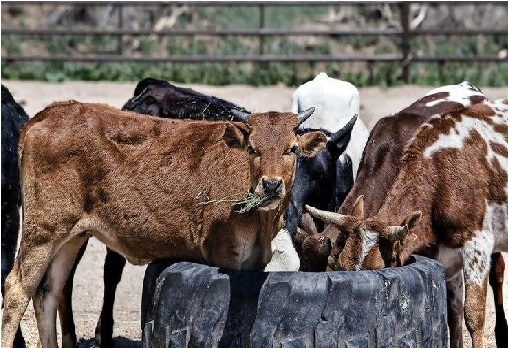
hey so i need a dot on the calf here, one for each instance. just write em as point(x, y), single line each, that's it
point(381, 164)
point(148, 188)
point(336, 101)
point(313, 246)
point(454, 153)
point(13, 120)
point(157, 98)
point(322, 181)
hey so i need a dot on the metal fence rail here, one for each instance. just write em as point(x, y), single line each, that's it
point(406, 56)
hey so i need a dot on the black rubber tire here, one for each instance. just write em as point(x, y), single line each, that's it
point(193, 305)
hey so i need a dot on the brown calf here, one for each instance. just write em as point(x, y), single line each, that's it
point(149, 188)
point(454, 182)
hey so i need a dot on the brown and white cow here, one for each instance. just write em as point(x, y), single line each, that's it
point(378, 169)
point(149, 188)
point(449, 202)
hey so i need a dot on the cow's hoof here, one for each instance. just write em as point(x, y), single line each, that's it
point(192, 305)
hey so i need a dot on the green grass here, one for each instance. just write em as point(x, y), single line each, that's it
point(258, 74)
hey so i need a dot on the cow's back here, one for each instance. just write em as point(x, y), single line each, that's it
point(380, 162)
point(459, 153)
point(336, 102)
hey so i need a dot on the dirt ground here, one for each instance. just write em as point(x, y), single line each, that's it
point(88, 286)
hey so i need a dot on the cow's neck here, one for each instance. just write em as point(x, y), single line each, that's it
point(270, 219)
point(412, 191)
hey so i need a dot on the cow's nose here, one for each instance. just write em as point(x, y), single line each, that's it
point(271, 185)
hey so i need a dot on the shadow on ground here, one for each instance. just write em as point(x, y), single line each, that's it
point(120, 342)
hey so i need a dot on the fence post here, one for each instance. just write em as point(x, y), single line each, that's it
point(261, 27)
point(370, 67)
point(120, 26)
point(441, 66)
point(405, 38)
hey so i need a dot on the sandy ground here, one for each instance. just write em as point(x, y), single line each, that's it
point(88, 286)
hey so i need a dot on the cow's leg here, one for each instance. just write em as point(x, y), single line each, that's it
point(20, 285)
point(69, 338)
point(496, 279)
point(10, 230)
point(451, 259)
point(455, 305)
point(476, 254)
point(48, 293)
point(113, 268)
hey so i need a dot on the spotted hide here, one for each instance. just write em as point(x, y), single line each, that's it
point(449, 202)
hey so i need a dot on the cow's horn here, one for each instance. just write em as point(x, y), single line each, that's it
point(326, 216)
point(341, 133)
point(302, 116)
point(242, 116)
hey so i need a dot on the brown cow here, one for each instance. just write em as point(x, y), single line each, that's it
point(162, 99)
point(149, 188)
point(378, 169)
point(380, 165)
point(454, 182)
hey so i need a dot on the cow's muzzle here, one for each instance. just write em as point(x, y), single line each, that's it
point(273, 189)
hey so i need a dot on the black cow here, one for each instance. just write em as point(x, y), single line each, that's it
point(160, 98)
point(13, 120)
point(324, 180)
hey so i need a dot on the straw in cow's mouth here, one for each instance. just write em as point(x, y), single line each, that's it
point(250, 202)
point(253, 201)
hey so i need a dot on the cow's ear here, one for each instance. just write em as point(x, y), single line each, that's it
point(311, 143)
point(412, 219)
point(300, 236)
point(235, 134)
